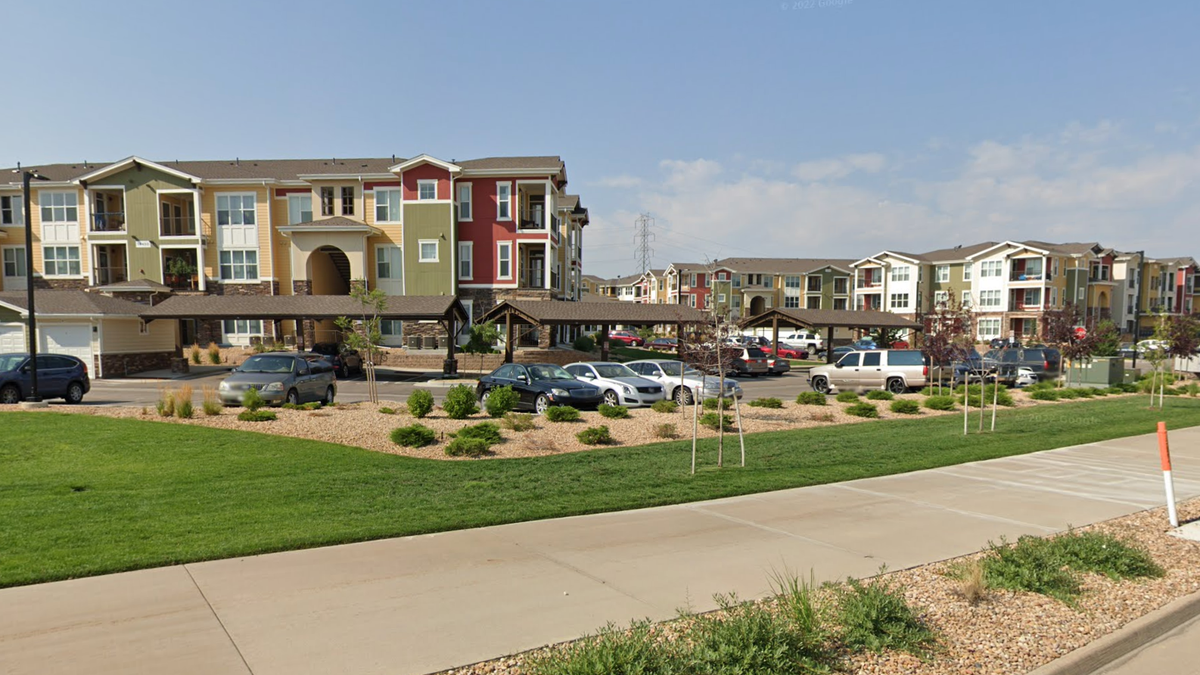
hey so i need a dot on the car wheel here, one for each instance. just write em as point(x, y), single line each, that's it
point(896, 385)
point(483, 398)
point(611, 398)
point(821, 385)
point(683, 396)
point(293, 397)
point(329, 394)
point(74, 393)
point(10, 395)
point(541, 403)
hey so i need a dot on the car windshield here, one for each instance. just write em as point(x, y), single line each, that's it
point(267, 364)
point(614, 370)
point(671, 368)
point(549, 373)
point(11, 361)
point(325, 348)
point(755, 353)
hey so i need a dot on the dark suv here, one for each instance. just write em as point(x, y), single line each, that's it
point(1043, 361)
point(343, 358)
point(59, 376)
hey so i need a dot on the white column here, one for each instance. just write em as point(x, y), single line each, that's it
point(202, 278)
point(546, 265)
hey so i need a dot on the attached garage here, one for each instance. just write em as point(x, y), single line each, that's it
point(12, 338)
point(72, 339)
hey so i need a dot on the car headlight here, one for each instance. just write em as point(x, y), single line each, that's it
point(628, 390)
point(224, 386)
point(559, 392)
point(274, 386)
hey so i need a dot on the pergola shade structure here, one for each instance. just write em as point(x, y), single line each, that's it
point(603, 314)
point(816, 319)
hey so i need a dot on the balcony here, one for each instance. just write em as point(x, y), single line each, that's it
point(1026, 275)
point(177, 217)
point(111, 266)
point(108, 211)
point(110, 275)
point(868, 281)
point(108, 221)
point(532, 218)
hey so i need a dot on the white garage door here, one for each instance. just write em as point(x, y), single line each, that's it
point(72, 339)
point(12, 338)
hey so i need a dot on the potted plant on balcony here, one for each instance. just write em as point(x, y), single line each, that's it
point(180, 273)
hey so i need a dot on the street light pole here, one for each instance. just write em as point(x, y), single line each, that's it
point(26, 176)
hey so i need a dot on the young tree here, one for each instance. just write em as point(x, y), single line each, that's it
point(710, 355)
point(948, 336)
point(1182, 337)
point(363, 333)
point(1107, 340)
point(1059, 329)
point(482, 340)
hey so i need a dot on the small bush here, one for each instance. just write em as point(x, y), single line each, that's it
point(749, 638)
point(562, 413)
point(1085, 392)
point(1067, 393)
point(822, 417)
point(583, 343)
point(664, 406)
point(929, 391)
point(940, 403)
point(413, 436)
point(811, 398)
point(1044, 394)
point(613, 412)
point(211, 404)
point(1041, 384)
point(712, 403)
point(460, 402)
point(905, 407)
point(468, 447)
point(165, 404)
point(252, 400)
point(594, 436)
point(879, 395)
point(420, 403)
point(875, 616)
point(972, 581)
point(257, 415)
point(214, 354)
point(311, 405)
point(487, 432)
point(1031, 566)
point(863, 409)
point(768, 402)
point(999, 391)
point(517, 421)
point(847, 397)
point(612, 650)
point(197, 355)
point(665, 431)
point(384, 410)
point(501, 400)
point(712, 421)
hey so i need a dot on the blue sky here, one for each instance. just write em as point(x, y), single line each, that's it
point(800, 128)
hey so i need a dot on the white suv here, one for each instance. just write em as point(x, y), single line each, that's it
point(896, 370)
point(810, 341)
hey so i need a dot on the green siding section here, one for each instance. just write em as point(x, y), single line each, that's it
point(429, 221)
point(141, 216)
point(827, 288)
point(10, 316)
point(1076, 279)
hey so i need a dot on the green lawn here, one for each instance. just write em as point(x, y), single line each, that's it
point(84, 495)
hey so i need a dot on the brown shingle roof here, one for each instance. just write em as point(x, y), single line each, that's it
point(782, 265)
point(552, 162)
point(588, 313)
point(957, 253)
point(139, 285)
point(408, 307)
point(72, 303)
point(334, 222)
point(832, 318)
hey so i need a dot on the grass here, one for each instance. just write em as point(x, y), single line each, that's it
point(159, 494)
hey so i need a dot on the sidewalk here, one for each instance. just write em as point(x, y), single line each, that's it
point(426, 603)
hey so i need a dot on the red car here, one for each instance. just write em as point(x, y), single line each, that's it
point(787, 352)
point(626, 338)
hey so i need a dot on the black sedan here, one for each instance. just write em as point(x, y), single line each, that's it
point(539, 385)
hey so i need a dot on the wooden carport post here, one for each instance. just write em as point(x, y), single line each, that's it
point(775, 334)
point(508, 336)
point(679, 341)
point(300, 334)
point(277, 330)
point(603, 342)
point(450, 365)
point(829, 344)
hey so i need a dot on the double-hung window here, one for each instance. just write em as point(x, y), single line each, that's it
point(60, 233)
point(941, 298)
point(327, 201)
point(466, 264)
point(504, 260)
point(427, 250)
point(464, 204)
point(966, 299)
point(427, 190)
point(347, 200)
point(899, 301)
point(503, 201)
point(12, 210)
point(990, 299)
point(967, 267)
point(943, 273)
point(900, 273)
point(300, 209)
point(387, 205)
point(237, 237)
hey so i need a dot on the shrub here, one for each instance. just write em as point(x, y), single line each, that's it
point(940, 403)
point(614, 412)
point(875, 617)
point(1000, 392)
point(1084, 392)
point(183, 402)
point(584, 343)
point(750, 638)
point(252, 400)
point(211, 404)
point(1104, 554)
point(460, 402)
point(1044, 394)
point(972, 580)
point(664, 406)
point(487, 432)
point(667, 430)
point(612, 650)
point(879, 395)
point(594, 436)
point(197, 355)
point(929, 391)
point(420, 403)
point(413, 436)
point(387, 411)
point(257, 415)
point(165, 404)
point(712, 421)
point(501, 400)
point(1030, 566)
point(811, 398)
point(847, 397)
point(468, 447)
point(1041, 384)
point(712, 403)
point(517, 421)
point(562, 413)
point(768, 402)
point(906, 407)
point(214, 354)
point(311, 405)
point(1067, 393)
point(863, 409)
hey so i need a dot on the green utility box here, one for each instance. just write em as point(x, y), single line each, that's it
point(1100, 372)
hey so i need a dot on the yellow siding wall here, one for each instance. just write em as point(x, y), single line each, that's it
point(283, 246)
point(36, 215)
point(121, 336)
point(208, 221)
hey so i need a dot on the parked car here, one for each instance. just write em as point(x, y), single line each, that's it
point(618, 384)
point(750, 361)
point(663, 343)
point(896, 370)
point(281, 377)
point(59, 376)
point(1025, 377)
point(1147, 346)
point(786, 351)
point(778, 365)
point(627, 338)
point(668, 373)
point(838, 352)
point(1004, 343)
point(539, 386)
point(804, 340)
point(864, 343)
point(969, 369)
point(1042, 361)
point(344, 359)
point(1127, 350)
point(755, 341)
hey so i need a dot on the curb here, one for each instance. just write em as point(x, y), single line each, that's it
point(1125, 640)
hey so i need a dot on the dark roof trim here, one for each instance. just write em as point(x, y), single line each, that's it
point(560, 312)
point(830, 318)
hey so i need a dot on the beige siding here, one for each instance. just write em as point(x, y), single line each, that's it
point(208, 222)
point(36, 215)
point(121, 336)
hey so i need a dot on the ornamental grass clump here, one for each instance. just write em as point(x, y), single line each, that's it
point(197, 355)
point(183, 402)
point(211, 403)
point(517, 421)
point(667, 430)
point(214, 354)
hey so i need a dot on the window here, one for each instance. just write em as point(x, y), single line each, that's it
point(813, 285)
point(12, 209)
point(235, 209)
point(990, 268)
point(1054, 267)
point(427, 190)
point(387, 205)
point(1033, 297)
point(737, 301)
point(388, 262)
point(504, 260)
point(900, 273)
point(791, 302)
point(840, 303)
point(943, 273)
point(1054, 298)
point(721, 297)
point(989, 298)
point(737, 281)
point(691, 300)
point(841, 285)
point(464, 203)
point(60, 261)
point(941, 298)
point(347, 200)
point(707, 302)
point(1081, 293)
point(239, 265)
point(966, 299)
point(503, 201)
point(466, 253)
point(967, 271)
point(791, 282)
point(59, 207)
point(427, 251)
point(239, 331)
point(326, 201)
point(299, 209)
point(14, 262)
point(898, 301)
point(871, 358)
point(391, 328)
point(812, 302)
point(989, 328)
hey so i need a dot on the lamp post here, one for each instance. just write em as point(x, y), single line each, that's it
point(26, 176)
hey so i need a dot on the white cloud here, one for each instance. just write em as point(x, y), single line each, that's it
point(839, 167)
point(623, 181)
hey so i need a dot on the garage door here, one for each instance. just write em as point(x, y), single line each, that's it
point(72, 339)
point(12, 338)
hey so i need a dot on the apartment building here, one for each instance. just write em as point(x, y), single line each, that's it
point(1170, 287)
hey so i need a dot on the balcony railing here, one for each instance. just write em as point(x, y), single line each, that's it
point(178, 227)
point(868, 282)
point(533, 218)
point(110, 275)
point(1023, 275)
point(532, 277)
point(108, 221)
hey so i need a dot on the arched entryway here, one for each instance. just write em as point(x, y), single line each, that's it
point(329, 274)
point(758, 305)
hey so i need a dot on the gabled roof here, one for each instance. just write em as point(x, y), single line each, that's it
point(784, 265)
point(425, 159)
point(332, 224)
point(877, 258)
point(70, 303)
point(588, 313)
point(830, 318)
point(407, 307)
point(134, 160)
point(956, 254)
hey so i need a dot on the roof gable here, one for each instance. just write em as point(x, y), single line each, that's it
point(131, 161)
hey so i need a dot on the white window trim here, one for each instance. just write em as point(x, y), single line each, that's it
point(60, 244)
point(943, 273)
point(421, 252)
point(504, 246)
point(257, 266)
point(470, 202)
point(422, 182)
point(42, 194)
point(509, 201)
point(399, 206)
point(17, 201)
point(221, 244)
point(466, 253)
point(967, 269)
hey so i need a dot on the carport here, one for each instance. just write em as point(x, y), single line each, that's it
point(603, 314)
point(444, 309)
point(815, 319)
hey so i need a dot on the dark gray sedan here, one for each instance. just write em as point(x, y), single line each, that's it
point(280, 378)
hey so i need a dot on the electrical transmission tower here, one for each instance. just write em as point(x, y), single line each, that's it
point(642, 237)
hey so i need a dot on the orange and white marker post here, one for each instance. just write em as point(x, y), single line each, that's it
point(1164, 453)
